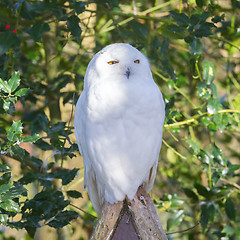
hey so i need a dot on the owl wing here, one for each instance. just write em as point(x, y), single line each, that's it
point(90, 179)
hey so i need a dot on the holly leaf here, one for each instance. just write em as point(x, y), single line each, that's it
point(3, 219)
point(4, 86)
point(22, 92)
point(37, 30)
point(73, 26)
point(31, 139)
point(221, 120)
point(214, 105)
point(230, 209)
point(8, 40)
point(181, 18)
point(208, 72)
point(175, 220)
point(236, 102)
point(15, 131)
point(196, 47)
point(10, 206)
point(14, 82)
point(74, 194)
point(62, 219)
point(4, 188)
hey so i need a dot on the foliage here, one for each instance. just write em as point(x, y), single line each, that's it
point(193, 47)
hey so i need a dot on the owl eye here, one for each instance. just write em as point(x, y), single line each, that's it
point(112, 62)
point(137, 61)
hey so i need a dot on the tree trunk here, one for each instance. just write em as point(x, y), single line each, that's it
point(129, 220)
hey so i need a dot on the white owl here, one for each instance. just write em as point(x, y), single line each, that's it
point(118, 125)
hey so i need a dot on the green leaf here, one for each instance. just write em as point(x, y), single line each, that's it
point(236, 102)
point(19, 151)
point(43, 145)
point(221, 120)
point(214, 105)
point(229, 230)
point(22, 92)
point(171, 34)
point(62, 219)
point(208, 72)
point(181, 18)
point(202, 190)
point(204, 216)
point(206, 121)
point(10, 206)
point(37, 30)
point(73, 26)
point(175, 220)
point(4, 168)
point(4, 188)
point(200, 3)
point(3, 219)
point(14, 82)
point(191, 194)
point(139, 29)
point(79, 6)
point(6, 105)
point(5, 178)
point(204, 30)
point(230, 209)
point(193, 145)
point(15, 131)
point(4, 86)
point(234, 167)
point(217, 19)
point(8, 40)
point(27, 10)
point(194, 20)
point(13, 192)
point(31, 139)
point(175, 28)
point(211, 212)
point(204, 17)
point(203, 90)
point(196, 47)
point(66, 175)
point(74, 194)
point(181, 81)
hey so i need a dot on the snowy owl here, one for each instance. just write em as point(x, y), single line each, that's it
point(118, 125)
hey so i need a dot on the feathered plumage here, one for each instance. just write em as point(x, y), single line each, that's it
point(118, 124)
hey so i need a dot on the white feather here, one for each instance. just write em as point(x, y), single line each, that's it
point(118, 125)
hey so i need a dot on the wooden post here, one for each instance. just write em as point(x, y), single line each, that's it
point(129, 220)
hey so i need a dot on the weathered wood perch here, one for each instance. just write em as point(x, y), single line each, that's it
point(129, 220)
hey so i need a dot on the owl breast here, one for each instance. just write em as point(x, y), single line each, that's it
point(124, 130)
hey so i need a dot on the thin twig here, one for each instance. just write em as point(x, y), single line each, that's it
point(230, 183)
point(185, 230)
point(142, 13)
point(82, 210)
point(195, 118)
point(226, 41)
point(177, 153)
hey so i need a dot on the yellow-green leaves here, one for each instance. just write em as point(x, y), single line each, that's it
point(208, 72)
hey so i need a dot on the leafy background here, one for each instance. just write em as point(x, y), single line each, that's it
point(193, 47)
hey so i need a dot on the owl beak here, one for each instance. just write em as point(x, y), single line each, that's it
point(127, 73)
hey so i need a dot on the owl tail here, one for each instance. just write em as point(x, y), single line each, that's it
point(94, 191)
point(149, 181)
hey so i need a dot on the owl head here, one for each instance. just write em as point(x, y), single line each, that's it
point(119, 62)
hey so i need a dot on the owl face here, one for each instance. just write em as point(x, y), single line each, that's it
point(121, 62)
